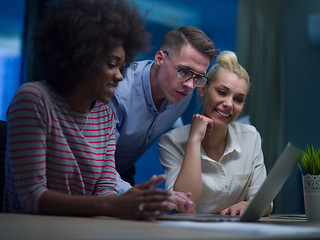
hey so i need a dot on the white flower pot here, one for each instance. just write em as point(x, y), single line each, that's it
point(311, 192)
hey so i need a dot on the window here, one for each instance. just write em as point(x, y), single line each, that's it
point(11, 42)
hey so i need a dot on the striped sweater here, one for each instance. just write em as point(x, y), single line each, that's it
point(53, 147)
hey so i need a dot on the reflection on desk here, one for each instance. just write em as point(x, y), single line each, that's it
point(292, 217)
point(24, 226)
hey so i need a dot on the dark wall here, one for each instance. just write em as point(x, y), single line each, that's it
point(302, 63)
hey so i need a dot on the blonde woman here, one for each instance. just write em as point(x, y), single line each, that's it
point(216, 159)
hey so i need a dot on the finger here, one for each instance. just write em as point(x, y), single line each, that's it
point(189, 194)
point(210, 127)
point(157, 195)
point(225, 211)
point(162, 207)
point(143, 186)
point(179, 196)
point(183, 199)
point(154, 181)
point(234, 211)
point(196, 115)
point(150, 211)
point(242, 209)
point(172, 206)
point(188, 205)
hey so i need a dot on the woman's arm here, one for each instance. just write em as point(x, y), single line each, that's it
point(189, 177)
point(28, 124)
point(141, 202)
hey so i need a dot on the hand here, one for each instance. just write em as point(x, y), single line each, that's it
point(201, 125)
point(142, 202)
point(178, 197)
point(236, 209)
point(182, 199)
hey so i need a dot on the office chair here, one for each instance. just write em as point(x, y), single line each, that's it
point(3, 141)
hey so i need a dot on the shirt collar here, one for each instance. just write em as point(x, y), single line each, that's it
point(232, 144)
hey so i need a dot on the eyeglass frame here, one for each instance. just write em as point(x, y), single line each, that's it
point(194, 74)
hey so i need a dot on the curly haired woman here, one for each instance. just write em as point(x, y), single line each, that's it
point(61, 133)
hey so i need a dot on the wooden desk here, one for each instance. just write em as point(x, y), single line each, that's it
point(24, 226)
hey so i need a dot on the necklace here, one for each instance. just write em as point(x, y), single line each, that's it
point(76, 122)
point(85, 123)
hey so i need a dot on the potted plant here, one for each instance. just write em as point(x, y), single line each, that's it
point(310, 169)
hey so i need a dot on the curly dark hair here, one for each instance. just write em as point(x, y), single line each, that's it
point(70, 43)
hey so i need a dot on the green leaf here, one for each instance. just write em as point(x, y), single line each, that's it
point(310, 161)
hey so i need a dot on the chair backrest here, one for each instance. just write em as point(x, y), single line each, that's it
point(3, 141)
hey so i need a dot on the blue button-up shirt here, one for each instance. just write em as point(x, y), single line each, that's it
point(138, 121)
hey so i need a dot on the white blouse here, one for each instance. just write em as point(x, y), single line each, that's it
point(236, 177)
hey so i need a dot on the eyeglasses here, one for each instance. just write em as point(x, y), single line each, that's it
point(185, 73)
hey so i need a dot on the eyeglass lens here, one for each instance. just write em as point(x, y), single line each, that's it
point(186, 73)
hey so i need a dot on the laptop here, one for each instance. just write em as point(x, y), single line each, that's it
point(258, 205)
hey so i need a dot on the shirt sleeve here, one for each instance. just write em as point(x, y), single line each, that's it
point(171, 157)
point(107, 182)
point(122, 186)
point(28, 123)
point(115, 108)
point(178, 123)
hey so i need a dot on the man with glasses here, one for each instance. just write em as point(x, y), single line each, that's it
point(185, 74)
point(154, 94)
